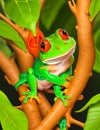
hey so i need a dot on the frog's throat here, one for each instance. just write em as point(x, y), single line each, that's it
point(58, 59)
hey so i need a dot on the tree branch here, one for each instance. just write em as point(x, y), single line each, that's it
point(83, 68)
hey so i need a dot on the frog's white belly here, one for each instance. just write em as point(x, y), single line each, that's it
point(57, 70)
point(60, 64)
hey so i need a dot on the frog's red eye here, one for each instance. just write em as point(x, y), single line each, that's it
point(44, 45)
point(63, 34)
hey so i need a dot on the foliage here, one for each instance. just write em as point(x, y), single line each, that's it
point(27, 20)
point(93, 116)
point(97, 45)
point(10, 117)
point(9, 33)
point(94, 8)
point(2, 10)
point(51, 11)
point(5, 48)
point(27, 11)
point(59, 16)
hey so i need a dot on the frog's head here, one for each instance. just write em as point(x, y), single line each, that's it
point(56, 47)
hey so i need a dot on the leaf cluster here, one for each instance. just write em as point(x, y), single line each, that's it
point(11, 118)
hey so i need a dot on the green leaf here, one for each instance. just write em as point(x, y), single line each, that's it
point(24, 12)
point(95, 99)
point(11, 118)
point(5, 48)
point(96, 25)
point(97, 43)
point(63, 18)
point(96, 66)
point(2, 10)
point(93, 117)
point(50, 11)
point(6, 31)
point(94, 8)
point(66, 20)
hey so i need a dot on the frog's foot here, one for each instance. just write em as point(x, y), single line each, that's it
point(60, 94)
point(69, 78)
point(62, 98)
point(65, 91)
point(63, 124)
point(66, 85)
point(65, 88)
point(30, 95)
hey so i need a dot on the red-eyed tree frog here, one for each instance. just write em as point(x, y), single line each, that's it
point(50, 68)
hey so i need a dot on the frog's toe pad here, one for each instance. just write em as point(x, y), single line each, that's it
point(29, 96)
point(38, 100)
point(55, 99)
point(21, 98)
point(65, 91)
point(63, 98)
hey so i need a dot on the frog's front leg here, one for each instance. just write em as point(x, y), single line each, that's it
point(31, 80)
point(22, 80)
point(59, 94)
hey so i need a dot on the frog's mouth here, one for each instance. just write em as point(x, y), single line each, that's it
point(58, 59)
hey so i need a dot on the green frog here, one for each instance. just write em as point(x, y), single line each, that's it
point(50, 68)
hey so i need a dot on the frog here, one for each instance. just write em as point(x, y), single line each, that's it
point(50, 67)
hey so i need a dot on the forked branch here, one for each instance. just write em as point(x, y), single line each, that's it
point(83, 68)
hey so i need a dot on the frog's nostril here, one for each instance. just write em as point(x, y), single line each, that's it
point(65, 42)
point(58, 47)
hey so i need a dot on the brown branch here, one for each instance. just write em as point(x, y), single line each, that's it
point(71, 120)
point(9, 68)
point(76, 122)
point(73, 7)
point(25, 59)
point(12, 73)
point(44, 106)
point(20, 30)
point(42, 3)
point(83, 68)
point(31, 109)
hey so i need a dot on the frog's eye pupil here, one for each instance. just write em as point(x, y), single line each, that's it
point(44, 45)
point(63, 34)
